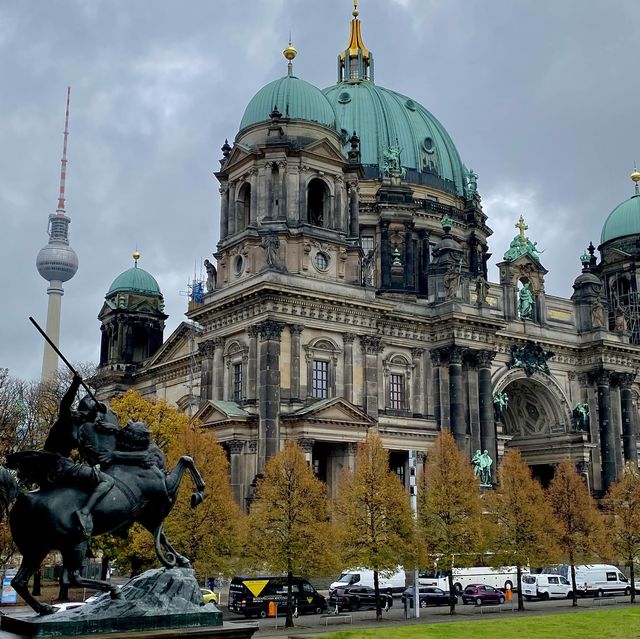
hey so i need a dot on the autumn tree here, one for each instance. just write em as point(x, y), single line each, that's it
point(520, 520)
point(373, 516)
point(580, 525)
point(210, 535)
point(623, 505)
point(449, 508)
point(289, 520)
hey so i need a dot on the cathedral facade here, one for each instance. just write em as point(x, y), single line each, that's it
point(350, 292)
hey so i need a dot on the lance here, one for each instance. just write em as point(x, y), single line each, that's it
point(64, 359)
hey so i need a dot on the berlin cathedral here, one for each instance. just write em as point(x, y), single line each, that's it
point(349, 291)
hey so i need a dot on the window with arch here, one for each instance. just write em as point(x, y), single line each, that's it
point(322, 360)
point(397, 373)
point(244, 207)
point(318, 199)
point(236, 358)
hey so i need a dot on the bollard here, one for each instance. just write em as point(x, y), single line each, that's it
point(272, 609)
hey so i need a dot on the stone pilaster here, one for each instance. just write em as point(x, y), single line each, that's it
point(295, 330)
point(371, 347)
point(224, 210)
point(269, 402)
point(347, 339)
point(440, 389)
point(488, 435)
point(385, 256)
point(252, 364)
point(354, 209)
point(218, 368)
point(630, 446)
point(418, 408)
point(206, 350)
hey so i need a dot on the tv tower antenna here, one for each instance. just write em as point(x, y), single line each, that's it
point(57, 262)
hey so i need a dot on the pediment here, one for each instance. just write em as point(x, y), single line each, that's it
point(323, 149)
point(177, 345)
point(212, 412)
point(336, 409)
point(238, 155)
point(525, 263)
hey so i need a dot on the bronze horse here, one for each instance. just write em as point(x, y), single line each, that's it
point(42, 520)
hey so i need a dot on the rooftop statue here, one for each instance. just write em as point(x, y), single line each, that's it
point(472, 182)
point(391, 166)
point(521, 245)
point(71, 502)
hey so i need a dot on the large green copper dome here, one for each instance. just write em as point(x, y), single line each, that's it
point(623, 220)
point(135, 280)
point(294, 98)
point(382, 119)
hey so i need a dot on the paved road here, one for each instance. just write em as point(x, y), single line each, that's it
point(314, 624)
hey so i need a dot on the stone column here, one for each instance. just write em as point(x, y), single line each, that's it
point(409, 262)
point(488, 436)
point(235, 447)
point(418, 408)
point(385, 262)
point(456, 404)
point(224, 210)
point(607, 434)
point(628, 425)
point(354, 210)
point(293, 197)
point(347, 339)
point(438, 413)
point(252, 364)
point(423, 278)
point(295, 330)
point(231, 210)
point(253, 209)
point(351, 450)
point(371, 347)
point(206, 350)
point(307, 446)
point(218, 368)
point(282, 191)
point(269, 402)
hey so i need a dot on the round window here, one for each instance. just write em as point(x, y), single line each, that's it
point(410, 104)
point(344, 97)
point(238, 264)
point(428, 145)
point(321, 261)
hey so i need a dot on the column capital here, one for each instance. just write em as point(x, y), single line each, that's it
point(218, 342)
point(271, 330)
point(416, 353)
point(455, 354)
point(306, 444)
point(348, 338)
point(296, 329)
point(371, 344)
point(235, 446)
point(624, 380)
point(253, 330)
point(206, 348)
point(484, 358)
point(600, 377)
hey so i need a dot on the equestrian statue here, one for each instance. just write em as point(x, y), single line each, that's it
point(120, 477)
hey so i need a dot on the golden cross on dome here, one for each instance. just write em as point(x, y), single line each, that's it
point(521, 226)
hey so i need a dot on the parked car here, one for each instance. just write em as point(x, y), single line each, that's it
point(429, 596)
point(208, 596)
point(545, 586)
point(481, 594)
point(356, 597)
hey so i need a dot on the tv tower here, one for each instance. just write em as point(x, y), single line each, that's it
point(57, 262)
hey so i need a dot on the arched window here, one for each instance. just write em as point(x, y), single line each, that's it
point(318, 203)
point(236, 359)
point(397, 371)
point(322, 359)
point(244, 207)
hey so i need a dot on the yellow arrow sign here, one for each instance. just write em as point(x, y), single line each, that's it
point(256, 586)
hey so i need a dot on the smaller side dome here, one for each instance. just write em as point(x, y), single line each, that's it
point(295, 98)
point(622, 221)
point(135, 280)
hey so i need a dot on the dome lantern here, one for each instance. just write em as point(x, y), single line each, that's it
point(355, 63)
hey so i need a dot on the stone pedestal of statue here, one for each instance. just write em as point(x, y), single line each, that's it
point(152, 605)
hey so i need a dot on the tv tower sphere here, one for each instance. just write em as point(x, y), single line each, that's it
point(57, 261)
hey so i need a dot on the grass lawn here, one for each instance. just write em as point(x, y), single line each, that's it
point(608, 624)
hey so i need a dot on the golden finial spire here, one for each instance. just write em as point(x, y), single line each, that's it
point(635, 176)
point(136, 256)
point(290, 53)
point(355, 8)
point(356, 61)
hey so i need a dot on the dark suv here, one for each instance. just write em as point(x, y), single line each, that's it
point(355, 597)
point(480, 594)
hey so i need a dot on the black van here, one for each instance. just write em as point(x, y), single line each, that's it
point(251, 596)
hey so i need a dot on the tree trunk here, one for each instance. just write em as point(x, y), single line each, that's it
point(573, 585)
point(289, 621)
point(633, 581)
point(519, 584)
point(104, 568)
point(37, 583)
point(452, 595)
point(376, 587)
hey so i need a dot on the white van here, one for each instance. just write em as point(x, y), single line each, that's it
point(545, 586)
point(364, 577)
point(595, 579)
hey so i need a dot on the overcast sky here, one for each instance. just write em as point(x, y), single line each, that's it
point(541, 98)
